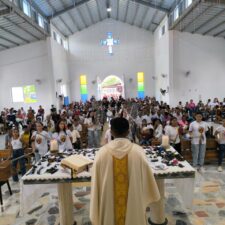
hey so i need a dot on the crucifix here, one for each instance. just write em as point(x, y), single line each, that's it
point(110, 42)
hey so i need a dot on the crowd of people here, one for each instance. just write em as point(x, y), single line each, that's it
point(149, 120)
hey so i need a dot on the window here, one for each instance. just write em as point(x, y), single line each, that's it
point(188, 3)
point(58, 39)
point(17, 94)
point(54, 35)
point(176, 13)
point(63, 90)
point(65, 45)
point(26, 8)
point(40, 21)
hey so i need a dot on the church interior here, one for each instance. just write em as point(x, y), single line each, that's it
point(112, 112)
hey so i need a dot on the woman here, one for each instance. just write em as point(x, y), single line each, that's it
point(158, 129)
point(16, 145)
point(173, 132)
point(63, 136)
point(40, 140)
point(94, 130)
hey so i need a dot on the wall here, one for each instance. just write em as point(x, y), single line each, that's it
point(162, 61)
point(135, 53)
point(59, 58)
point(204, 57)
point(22, 66)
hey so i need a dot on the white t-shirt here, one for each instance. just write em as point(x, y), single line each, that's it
point(138, 121)
point(221, 134)
point(75, 135)
point(16, 144)
point(108, 135)
point(147, 118)
point(63, 139)
point(194, 128)
point(173, 133)
point(41, 141)
point(88, 121)
point(158, 131)
point(78, 127)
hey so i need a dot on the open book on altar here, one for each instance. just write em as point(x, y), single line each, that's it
point(77, 163)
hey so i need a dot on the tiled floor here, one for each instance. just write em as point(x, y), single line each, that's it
point(208, 204)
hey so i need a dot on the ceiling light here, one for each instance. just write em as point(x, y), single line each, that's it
point(109, 9)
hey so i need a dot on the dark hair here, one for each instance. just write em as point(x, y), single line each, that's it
point(119, 126)
point(57, 129)
point(198, 113)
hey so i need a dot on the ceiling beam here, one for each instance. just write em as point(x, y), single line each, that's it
point(99, 11)
point(53, 9)
point(82, 18)
point(4, 46)
point(185, 14)
point(151, 5)
point(71, 17)
point(21, 28)
point(126, 12)
point(117, 9)
point(154, 15)
point(4, 12)
point(14, 34)
point(143, 17)
point(197, 17)
point(214, 27)
point(209, 20)
point(8, 40)
point(16, 10)
point(135, 14)
point(72, 6)
point(90, 14)
point(219, 33)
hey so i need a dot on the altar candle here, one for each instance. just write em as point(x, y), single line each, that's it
point(165, 141)
point(54, 145)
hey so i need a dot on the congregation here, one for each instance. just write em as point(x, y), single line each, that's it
point(81, 125)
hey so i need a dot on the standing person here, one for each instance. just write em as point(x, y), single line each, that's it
point(220, 134)
point(158, 129)
point(75, 137)
point(119, 195)
point(40, 139)
point(197, 132)
point(63, 136)
point(17, 152)
point(90, 123)
point(173, 131)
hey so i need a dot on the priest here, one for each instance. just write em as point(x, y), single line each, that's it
point(123, 184)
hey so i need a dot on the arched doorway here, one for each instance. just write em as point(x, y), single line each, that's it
point(111, 86)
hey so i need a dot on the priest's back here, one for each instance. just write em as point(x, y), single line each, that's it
point(123, 185)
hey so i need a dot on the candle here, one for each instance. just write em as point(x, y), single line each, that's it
point(54, 145)
point(165, 141)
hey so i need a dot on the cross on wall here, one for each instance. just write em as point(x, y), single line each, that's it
point(110, 42)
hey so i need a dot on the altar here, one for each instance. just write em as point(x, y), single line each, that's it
point(53, 174)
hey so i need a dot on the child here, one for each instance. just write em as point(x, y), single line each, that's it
point(40, 141)
point(145, 133)
point(75, 137)
point(63, 136)
point(17, 152)
point(25, 137)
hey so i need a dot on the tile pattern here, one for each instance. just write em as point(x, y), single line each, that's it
point(208, 204)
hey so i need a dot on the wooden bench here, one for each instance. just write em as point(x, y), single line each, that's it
point(211, 150)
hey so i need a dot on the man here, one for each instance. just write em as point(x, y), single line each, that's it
point(197, 132)
point(123, 184)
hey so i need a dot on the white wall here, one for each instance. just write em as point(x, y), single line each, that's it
point(135, 53)
point(162, 61)
point(22, 66)
point(204, 57)
point(59, 65)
